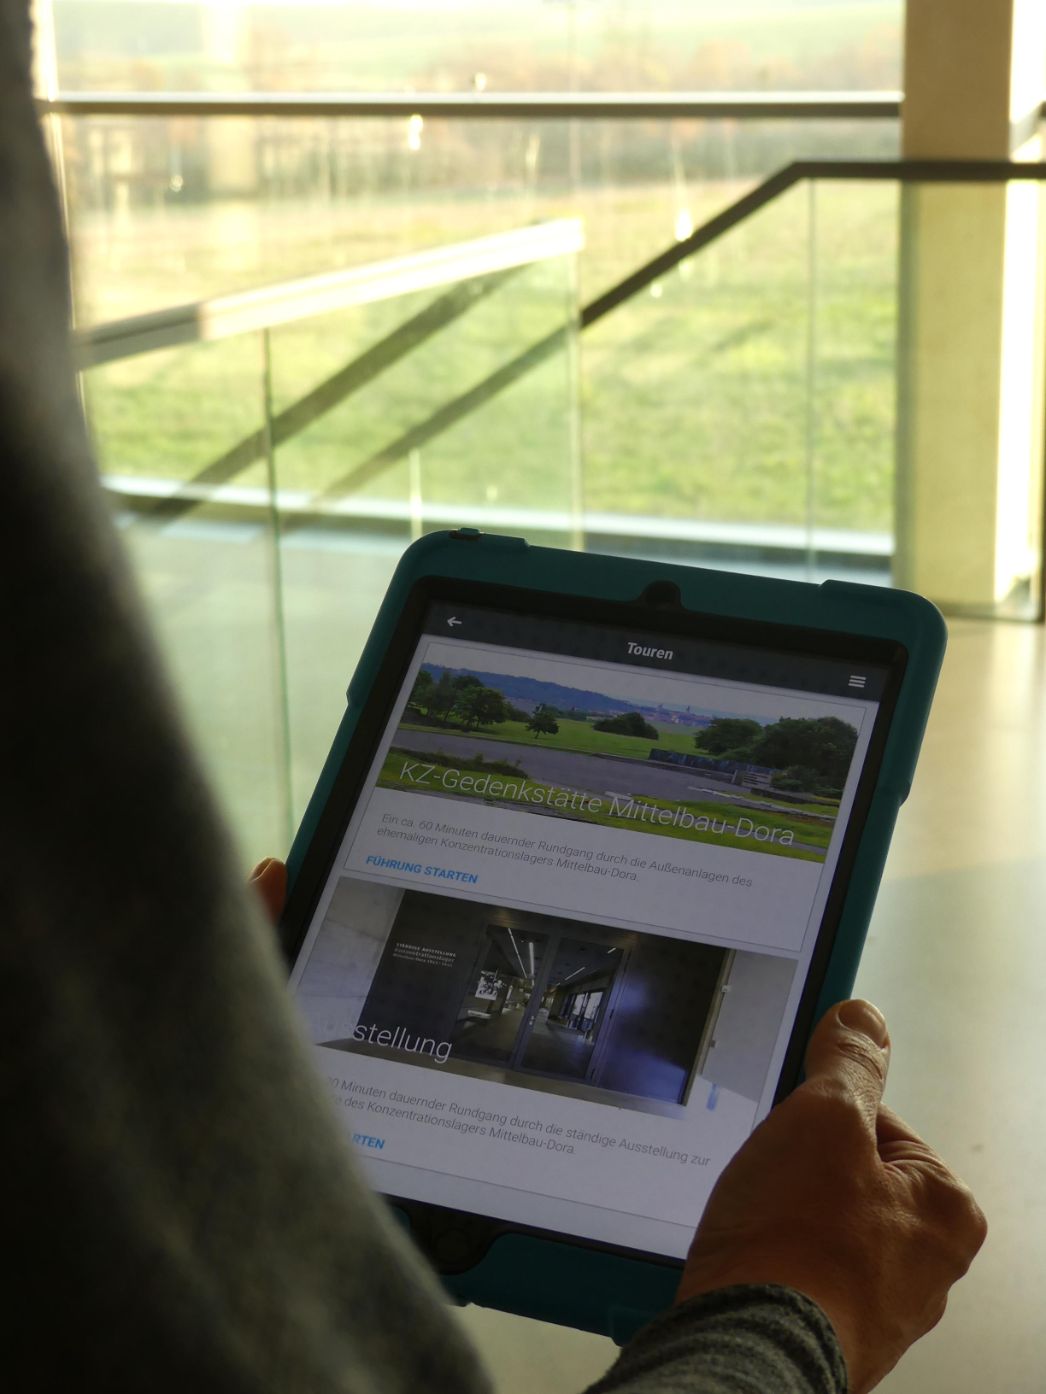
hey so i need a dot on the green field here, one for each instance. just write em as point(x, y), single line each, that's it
point(815, 835)
point(572, 735)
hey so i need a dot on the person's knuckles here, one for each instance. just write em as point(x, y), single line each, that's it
point(934, 1312)
point(836, 1052)
point(961, 1220)
point(909, 1149)
point(948, 1227)
point(838, 1109)
point(889, 1125)
point(950, 1198)
point(977, 1222)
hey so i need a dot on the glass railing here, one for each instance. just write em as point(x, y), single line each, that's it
point(213, 204)
point(741, 407)
point(840, 374)
point(271, 453)
point(847, 382)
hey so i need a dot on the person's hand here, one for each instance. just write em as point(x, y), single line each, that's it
point(834, 1196)
point(269, 879)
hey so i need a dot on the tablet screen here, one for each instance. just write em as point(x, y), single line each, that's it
point(554, 970)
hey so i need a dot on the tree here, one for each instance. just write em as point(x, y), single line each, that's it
point(442, 697)
point(543, 721)
point(627, 724)
point(729, 738)
point(421, 693)
point(479, 706)
point(824, 746)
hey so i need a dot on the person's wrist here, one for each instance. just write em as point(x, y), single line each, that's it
point(822, 1283)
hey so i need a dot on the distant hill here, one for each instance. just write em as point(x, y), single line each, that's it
point(527, 693)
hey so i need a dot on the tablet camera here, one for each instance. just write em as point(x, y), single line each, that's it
point(662, 595)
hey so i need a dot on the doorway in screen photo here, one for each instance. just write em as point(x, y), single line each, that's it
point(540, 1001)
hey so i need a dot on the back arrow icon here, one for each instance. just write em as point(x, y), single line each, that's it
point(453, 621)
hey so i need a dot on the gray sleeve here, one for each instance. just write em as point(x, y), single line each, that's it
point(181, 1212)
point(758, 1339)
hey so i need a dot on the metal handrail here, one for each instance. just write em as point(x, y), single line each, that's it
point(899, 171)
point(590, 106)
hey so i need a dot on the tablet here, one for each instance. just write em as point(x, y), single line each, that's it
point(597, 842)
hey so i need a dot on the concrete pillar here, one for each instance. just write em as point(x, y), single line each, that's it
point(970, 352)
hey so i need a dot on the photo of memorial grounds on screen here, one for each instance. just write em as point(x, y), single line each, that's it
point(730, 779)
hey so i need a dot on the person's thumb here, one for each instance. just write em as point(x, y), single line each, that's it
point(851, 1049)
point(269, 879)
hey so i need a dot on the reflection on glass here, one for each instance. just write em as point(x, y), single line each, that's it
point(450, 406)
point(698, 387)
point(205, 561)
point(167, 212)
point(743, 407)
point(275, 475)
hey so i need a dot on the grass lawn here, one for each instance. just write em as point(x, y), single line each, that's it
point(826, 808)
point(572, 735)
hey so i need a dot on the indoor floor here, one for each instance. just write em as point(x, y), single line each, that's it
point(956, 958)
point(558, 1050)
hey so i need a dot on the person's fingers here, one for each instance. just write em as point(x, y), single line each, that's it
point(960, 1224)
point(901, 1145)
point(850, 1052)
point(269, 878)
point(891, 1128)
point(891, 1125)
point(903, 1150)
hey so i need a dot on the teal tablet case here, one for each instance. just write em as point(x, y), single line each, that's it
point(566, 1282)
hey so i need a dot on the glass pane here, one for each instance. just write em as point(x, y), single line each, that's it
point(169, 211)
point(696, 397)
point(169, 415)
point(853, 390)
point(430, 410)
point(848, 383)
point(640, 186)
point(522, 45)
point(205, 557)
